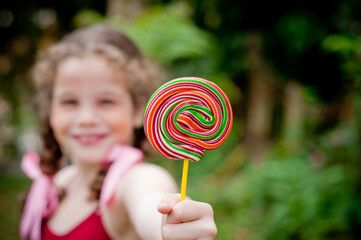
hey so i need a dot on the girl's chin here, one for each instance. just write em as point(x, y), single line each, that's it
point(91, 156)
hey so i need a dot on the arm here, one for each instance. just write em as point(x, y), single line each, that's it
point(141, 191)
point(155, 210)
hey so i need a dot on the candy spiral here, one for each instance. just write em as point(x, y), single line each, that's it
point(187, 116)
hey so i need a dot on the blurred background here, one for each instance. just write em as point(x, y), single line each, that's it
point(291, 168)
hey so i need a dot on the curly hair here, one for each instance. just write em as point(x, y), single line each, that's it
point(141, 77)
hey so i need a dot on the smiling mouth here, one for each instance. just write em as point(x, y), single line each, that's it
point(91, 139)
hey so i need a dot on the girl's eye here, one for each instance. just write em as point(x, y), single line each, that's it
point(106, 102)
point(69, 102)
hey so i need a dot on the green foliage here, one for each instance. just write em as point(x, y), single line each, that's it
point(349, 48)
point(281, 199)
point(299, 33)
point(11, 187)
point(87, 17)
point(341, 43)
point(167, 35)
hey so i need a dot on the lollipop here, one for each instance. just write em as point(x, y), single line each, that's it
point(185, 117)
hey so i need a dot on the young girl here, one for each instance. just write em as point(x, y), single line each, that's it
point(93, 87)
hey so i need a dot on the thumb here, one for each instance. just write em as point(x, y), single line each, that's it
point(166, 204)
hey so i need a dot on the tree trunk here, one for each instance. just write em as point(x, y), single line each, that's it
point(125, 8)
point(292, 114)
point(260, 100)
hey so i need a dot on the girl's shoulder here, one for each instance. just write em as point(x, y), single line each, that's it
point(64, 176)
point(149, 172)
point(137, 194)
point(148, 176)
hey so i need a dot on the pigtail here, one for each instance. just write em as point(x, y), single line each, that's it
point(96, 186)
point(51, 155)
point(50, 158)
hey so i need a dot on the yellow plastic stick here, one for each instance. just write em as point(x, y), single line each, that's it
point(184, 178)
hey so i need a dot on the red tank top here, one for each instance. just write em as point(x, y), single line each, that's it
point(91, 228)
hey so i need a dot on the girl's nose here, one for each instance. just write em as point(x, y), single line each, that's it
point(86, 116)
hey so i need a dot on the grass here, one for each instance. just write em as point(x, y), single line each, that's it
point(11, 189)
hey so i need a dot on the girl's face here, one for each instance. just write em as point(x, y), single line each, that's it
point(91, 109)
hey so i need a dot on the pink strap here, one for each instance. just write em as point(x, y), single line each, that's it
point(122, 158)
point(41, 201)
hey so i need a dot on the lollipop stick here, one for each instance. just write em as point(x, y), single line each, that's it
point(184, 178)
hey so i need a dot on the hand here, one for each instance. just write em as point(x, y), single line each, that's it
point(186, 219)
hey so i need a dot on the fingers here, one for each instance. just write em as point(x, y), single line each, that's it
point(183, 211)
point(188, 210)
point(204, 229)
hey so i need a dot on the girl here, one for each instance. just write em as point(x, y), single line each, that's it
point(93, 87)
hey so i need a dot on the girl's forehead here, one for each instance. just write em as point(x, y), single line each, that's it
point(93, 71)
point(80, 89)
point(90, 62)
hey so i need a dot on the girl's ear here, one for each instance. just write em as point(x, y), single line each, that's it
point(138, 116)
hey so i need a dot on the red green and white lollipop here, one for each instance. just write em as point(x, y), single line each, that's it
point(185, 117)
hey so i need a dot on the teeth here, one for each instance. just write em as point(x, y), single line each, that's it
point(88, 138)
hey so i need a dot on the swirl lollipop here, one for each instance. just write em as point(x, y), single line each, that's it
point(185, 117)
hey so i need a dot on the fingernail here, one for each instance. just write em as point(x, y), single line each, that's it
point(163, 205)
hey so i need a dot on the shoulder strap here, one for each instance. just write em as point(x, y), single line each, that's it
point(42, 198)
point(122, 157)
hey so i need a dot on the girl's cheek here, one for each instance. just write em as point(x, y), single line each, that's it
point(60, 119)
